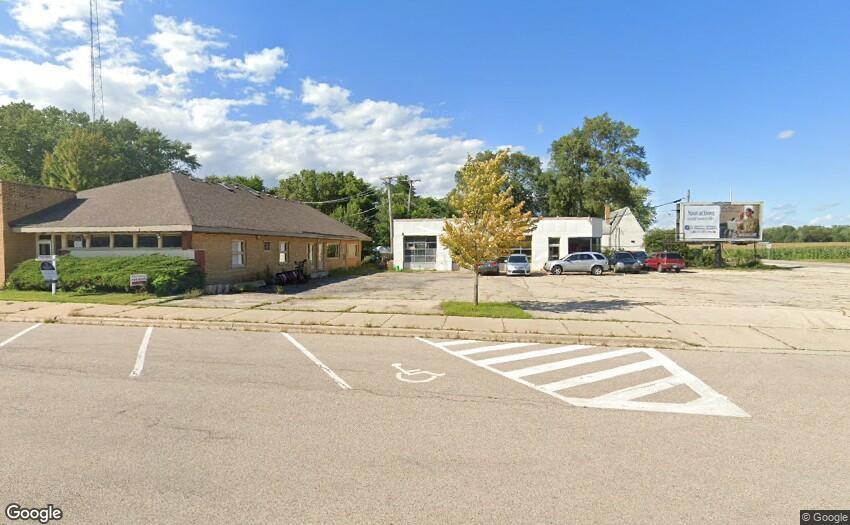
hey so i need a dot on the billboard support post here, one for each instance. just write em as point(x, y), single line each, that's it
point(718, 255)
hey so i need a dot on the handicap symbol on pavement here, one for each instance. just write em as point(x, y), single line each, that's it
point(404, 375)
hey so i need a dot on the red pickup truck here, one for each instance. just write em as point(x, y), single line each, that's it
point(665, 261)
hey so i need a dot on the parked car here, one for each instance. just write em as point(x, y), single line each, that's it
point(518, 264)
point(641, 256)
point(662, 261)
point(623, 262)
point(586, 262)
point(489, 268)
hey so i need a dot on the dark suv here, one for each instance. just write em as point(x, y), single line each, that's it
point(622, 262)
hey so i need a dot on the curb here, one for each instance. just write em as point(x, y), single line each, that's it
point(620, 341)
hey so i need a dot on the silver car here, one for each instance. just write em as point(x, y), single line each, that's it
point(584, 262)
point(518, 264)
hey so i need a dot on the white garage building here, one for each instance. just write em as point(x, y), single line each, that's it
point(417, 246)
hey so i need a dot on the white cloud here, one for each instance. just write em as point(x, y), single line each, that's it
point(375, 138)
point(24, 44)
point(821, 221)
point(782, 214)
point(257, 67)
point(283, 93)
point(40, 17)
point(785, 134)
point(826, 206)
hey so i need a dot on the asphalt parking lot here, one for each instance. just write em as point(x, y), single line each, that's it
point(219, 426)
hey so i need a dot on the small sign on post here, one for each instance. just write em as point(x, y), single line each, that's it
point(48, 270)
point(138, 280)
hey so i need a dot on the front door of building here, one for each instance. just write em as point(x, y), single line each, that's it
point(45, 245)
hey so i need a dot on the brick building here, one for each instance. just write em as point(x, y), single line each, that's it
point(235, 234)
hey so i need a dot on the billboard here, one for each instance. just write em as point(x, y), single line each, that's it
point(719, 221)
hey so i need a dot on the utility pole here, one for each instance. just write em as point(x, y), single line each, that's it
point(389, 182)
point(410, 193)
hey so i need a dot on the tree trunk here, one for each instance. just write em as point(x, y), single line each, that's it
point(475, 288)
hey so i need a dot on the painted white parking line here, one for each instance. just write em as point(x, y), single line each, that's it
point(493, 348)
point(569, 363)
point(336, 379)
point(140, 357)
point(531, 355)
point(645, 389)
point(459, 342)
point(19, 334)
point(709, 402)
point(600, 376)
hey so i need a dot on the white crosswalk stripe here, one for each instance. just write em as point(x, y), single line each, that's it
point(709, 402)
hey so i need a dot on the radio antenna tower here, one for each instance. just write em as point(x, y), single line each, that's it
point(96, 76)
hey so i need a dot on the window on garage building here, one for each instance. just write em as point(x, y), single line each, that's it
point(580, 244)
point(123, 240)
point(284, 252)
point(420, 249)
point(352, 251)
point(148, 241)
point(333, 251)
point(237, 254)
point(100, 241)
point(554, 248)
point(310, 255)
point(524, 247)
point(172, 241)
point(267, 246)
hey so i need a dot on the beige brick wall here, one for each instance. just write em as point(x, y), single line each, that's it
point(217, 247)
point(16, 201)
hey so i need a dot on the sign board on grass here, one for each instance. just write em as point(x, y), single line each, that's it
point(138, 280)
point(47, 265)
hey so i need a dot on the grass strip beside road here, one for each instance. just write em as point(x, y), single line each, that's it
point(71, 297)
point(497, 310)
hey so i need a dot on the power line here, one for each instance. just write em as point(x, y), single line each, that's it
point(343, 199)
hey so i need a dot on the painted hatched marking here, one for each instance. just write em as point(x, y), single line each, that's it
point(569, 363)
point(709, 402)
point(531, 355)
point(493, 348)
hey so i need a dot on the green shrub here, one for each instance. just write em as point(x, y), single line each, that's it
point(167, 275)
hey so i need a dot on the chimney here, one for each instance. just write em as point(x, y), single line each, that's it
point(607, 213)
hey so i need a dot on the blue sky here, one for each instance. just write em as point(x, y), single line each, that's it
point(752, 95)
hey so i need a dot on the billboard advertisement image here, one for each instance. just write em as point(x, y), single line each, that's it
point(719, 221)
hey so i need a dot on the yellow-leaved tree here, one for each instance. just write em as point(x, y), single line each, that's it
point(488, 222)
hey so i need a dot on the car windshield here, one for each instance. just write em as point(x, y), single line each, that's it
point(673, 255)
point(517, 259)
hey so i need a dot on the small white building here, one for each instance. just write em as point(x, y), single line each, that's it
point(417, 246)
point(622, 231)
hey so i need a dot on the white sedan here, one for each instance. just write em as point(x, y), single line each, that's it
point(518, 264)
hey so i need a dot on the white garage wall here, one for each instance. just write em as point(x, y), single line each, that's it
point(561, 227)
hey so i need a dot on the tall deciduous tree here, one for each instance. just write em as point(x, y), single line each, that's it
point(523, 177)
point(597, 164)
point(342, 195)
point(254, 182)
point(85, 159)
point(489, 222)
point(28, 135)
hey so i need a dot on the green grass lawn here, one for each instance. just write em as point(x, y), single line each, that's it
point(70, 297)
point(499, 310)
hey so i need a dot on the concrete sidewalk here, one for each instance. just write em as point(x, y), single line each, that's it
point(682, 327)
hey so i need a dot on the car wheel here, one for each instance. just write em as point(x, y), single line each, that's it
point(678, 270)
point(557, 270)
point(596, 270)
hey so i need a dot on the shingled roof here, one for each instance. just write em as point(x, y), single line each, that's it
point(174, 202)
